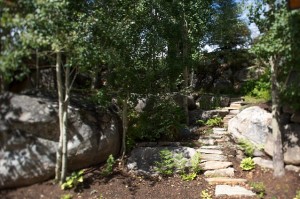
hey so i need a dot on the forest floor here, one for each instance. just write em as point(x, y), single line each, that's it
point(122, 185)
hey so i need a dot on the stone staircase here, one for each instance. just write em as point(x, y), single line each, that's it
point(233, 109)
point(218, 170)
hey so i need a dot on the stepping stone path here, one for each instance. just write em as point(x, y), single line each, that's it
point(218, 170)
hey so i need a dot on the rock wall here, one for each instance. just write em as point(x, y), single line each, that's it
point(29, 133)
point(254, 124)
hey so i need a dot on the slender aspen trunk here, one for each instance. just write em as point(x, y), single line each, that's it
point(185, 68)
point(124, 124)
point(278, 161)
point(60, 116)
point(37, 67)
point(65, 126)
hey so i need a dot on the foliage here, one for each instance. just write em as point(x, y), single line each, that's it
point(110, 162)
point(73, 180)
point(195, 163)
point(167, 164)
point(66, 196)
point(100, 98)
point(205, 194)
point(259, 188)
point(215, 121)
point(247, 147)
point(258, 89)
point(188, 176)
point(161, 119)
point(247, 164)
point(297, 195)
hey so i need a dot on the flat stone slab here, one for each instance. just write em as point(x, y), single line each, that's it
point(210, 151)
point(207, 141)
point(213, 157)
point(236, 191)
point(211, 147)
point(225, 180)
point(213, 136)
point(212, 165)
point(263, 162)
point(229, 172)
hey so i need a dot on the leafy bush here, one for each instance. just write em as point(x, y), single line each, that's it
point(188, 176)
point(205, 195)
point(213, 122)
point(259, 188)
point(162, 118)
point(247, 146)
point(167, 164)
point(195, 163)
point(110, 162)
point(66, 196)
point(247, 164)
point(73, 180)
point(259, 89)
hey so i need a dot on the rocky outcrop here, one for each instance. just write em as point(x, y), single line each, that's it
point(291, 144)
point(29, 137)
point(252, 123)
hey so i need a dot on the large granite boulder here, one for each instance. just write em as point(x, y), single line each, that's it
point(252, 123)
point(291, 144)
point(29, 136)
point(142, 160)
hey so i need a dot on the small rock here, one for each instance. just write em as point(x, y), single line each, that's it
point(211, 165)
point(223, 190)
point(263, 162)
point(292, 168)
point(229, 172)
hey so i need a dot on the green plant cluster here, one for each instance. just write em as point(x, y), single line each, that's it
point(205, 194)
point(247, 147)
point(170, 164)
point(110, 162)
point(73, 180)
point(66, 196)
point(297, 195)
point(162, 118)
point(259, 188)
point(257, 90)
point(212, 122)
point(247, 164)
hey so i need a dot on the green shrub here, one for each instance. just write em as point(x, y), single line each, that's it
point(195, 163)
point(73, 180)
point(247, 164)
point(110, 162)
point(297, 195)
point(66, 196)
point(188, 176)
point(247, 147)
point(162, 118)
point(167, 164)
point(213, 122)
point(206, 195)
point(259, 188)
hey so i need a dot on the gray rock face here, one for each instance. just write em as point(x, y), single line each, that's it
point(252, 124)
point(291, 144)
point(29, 134)
point(142, 160)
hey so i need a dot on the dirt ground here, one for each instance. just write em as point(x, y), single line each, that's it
point(122, 185)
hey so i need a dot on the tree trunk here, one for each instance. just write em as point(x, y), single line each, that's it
point(60, 116)
point(124, 124)
point(278, 161)
point(185, 68)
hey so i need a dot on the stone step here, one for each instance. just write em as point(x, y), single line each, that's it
point(211, 147)
point(210, 151)
point(225, 180)
point(213, 136)
point(212, 165)
point(228, 172)
point(235, 191)
point(207, 141)
point(213, 157)
point(220, 131)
